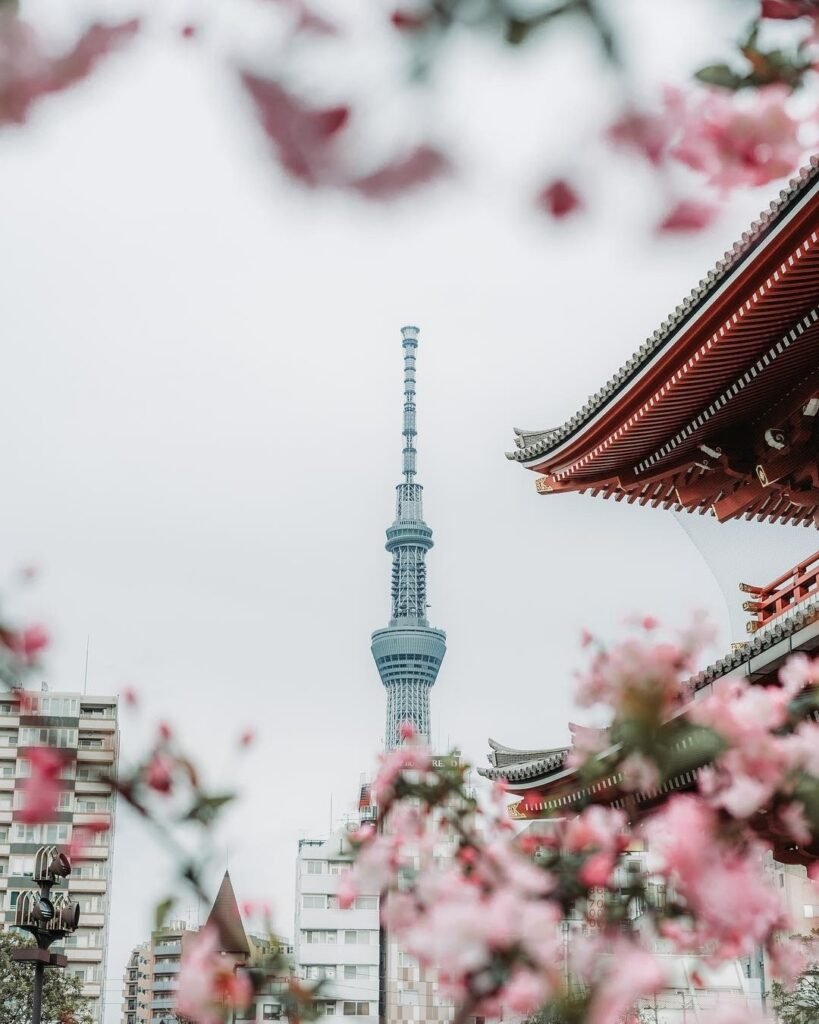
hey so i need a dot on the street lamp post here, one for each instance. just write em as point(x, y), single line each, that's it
point(46, 919)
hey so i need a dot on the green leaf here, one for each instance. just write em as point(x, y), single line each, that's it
point(207, 808)
point(720, 75)
point(162, 910)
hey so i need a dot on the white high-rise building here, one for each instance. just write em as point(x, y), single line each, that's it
point(84, 730)
point(339, 947)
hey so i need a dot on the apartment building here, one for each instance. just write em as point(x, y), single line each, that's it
point(151, 974)
point(339, 947)
point(84, 729)
point(269, 1003)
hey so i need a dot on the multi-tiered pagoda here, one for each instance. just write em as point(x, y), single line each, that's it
point(717, 414)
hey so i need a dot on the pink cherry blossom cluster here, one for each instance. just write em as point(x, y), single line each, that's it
point(461, 892)
point(736, 128)
point(210, 986)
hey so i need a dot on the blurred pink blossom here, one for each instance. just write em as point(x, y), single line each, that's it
point(28, 72)
point(630, 973)
point(559, 199)
point(740, 140)
point(209, 986)
point(41, 790)
point(687, 215)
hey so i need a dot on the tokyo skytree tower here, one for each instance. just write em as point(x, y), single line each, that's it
point(409, 652)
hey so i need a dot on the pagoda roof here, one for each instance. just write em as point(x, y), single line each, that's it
point(227, 920)
point(513, 765)
point(715, 411)
point(758, 660)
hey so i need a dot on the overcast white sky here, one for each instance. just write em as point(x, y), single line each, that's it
point(202, 411)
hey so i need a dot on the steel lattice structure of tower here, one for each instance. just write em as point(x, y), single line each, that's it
point(409, 652)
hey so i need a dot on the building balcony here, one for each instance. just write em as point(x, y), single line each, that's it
point(97, 724)
point(8, 753)
point(95, 852)
point(326, 883)
point(91, 817)
point(96, 755)
point(167, 967)
point(88, 954)
point(340, 919)
point(319, 953)
point(164, 1003)
point(167, 949)
point(92, 787)
point(89, 919)
point(93, 885)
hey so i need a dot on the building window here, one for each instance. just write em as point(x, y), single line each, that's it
point(314, 867)
point(359, 937)
point(271, 1011)
point(21, 865)
point(96, 711)
point(86, 805)
point(32, 737)
point(41, 833)
point(366, 903)
point(356, 1009)
point(338, 867)
point(408, 997)
point(314, 902)
point(318, 972)
point(406, 960)
point(320, 936)
point(353, 971)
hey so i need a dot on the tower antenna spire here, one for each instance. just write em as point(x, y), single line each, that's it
point(410, 346)
point(409, 652)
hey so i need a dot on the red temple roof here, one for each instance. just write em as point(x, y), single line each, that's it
point(718, 411)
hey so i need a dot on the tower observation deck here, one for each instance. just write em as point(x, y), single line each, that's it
point(408, 652)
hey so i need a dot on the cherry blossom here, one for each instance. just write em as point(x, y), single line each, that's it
point(687, 215)
point(738, 140)
point(640, 773)
point(628, 974)
point(209, 985)
point(41, 790)
point(730, 901)
point(559, 199)
point(788, 9)
point(30, 642)
point(28, 72)
point(159, 772)
point(421, 165)
point(798, 672)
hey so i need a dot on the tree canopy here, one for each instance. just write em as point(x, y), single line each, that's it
point(63, 1002)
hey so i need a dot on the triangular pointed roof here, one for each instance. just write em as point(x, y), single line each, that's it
point(225, 918)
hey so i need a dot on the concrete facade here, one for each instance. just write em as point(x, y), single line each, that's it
point(338, 947)
point(84, 730)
